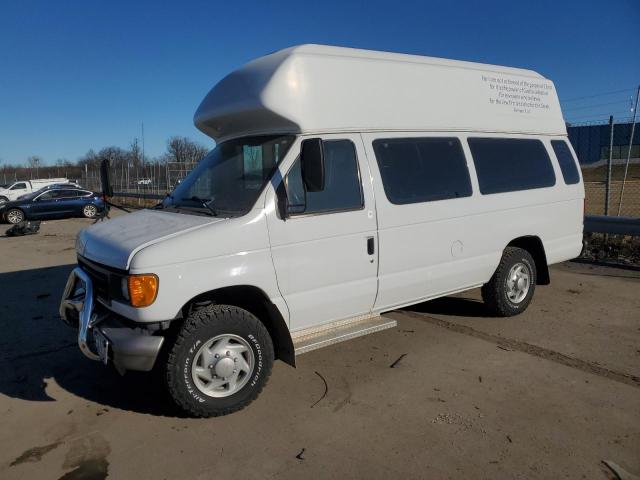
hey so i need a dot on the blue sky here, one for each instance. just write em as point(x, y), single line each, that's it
point(76, 75)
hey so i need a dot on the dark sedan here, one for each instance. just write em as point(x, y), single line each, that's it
point(50, 204)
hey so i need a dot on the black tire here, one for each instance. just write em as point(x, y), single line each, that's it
point(15, 216)
point(495, 292)
point(200, 327)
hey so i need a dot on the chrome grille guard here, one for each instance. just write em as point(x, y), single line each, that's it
point(83, 304)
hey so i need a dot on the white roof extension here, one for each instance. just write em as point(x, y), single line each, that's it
point(316, 88)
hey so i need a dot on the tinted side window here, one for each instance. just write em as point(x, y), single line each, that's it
point(19, 186)
point(422, 169)
point(566, 161)
point(68, 193)
point(342, 190)
point(511, 164)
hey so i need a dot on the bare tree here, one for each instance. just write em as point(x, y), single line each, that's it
point(34, 161)
point(184, 150)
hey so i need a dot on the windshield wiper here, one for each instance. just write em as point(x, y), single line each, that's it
point(202, 201)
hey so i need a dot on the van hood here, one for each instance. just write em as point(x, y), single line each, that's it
point(114, 242)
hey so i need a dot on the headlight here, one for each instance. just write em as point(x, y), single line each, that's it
point(140, 290)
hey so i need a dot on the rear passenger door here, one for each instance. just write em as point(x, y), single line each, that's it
point(424, 197)
point(324, 247)
point(67, 203)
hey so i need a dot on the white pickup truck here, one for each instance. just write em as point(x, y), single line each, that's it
point(17, 189)
point(344, 184)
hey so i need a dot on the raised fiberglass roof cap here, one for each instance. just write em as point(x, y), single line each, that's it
point(316, 88)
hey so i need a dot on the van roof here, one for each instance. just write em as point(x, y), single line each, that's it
point(318, 88)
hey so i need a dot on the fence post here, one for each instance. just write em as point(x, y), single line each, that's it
point(626, 167)
point(608, 189)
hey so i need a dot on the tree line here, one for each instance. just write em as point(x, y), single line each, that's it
point(179, 149)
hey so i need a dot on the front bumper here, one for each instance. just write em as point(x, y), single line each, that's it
point(101, 336)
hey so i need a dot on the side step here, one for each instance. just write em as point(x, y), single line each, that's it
point(314, 338)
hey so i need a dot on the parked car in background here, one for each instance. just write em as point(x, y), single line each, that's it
point(17, 189)
point(144, 181)
point(70, 185)
point(52, 203)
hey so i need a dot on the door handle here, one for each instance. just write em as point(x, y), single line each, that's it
point(371, 246)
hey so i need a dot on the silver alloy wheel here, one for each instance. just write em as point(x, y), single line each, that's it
point(89, 211)
point(518, 282)
point(223, 365)
point(15, 216)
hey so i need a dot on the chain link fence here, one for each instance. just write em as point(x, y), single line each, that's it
point(610, 167)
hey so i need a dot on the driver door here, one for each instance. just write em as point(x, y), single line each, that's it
point(324, 245)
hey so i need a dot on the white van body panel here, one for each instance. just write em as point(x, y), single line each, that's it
point(205, 255)
point(323, 256)
point(316, 268)
point(317, 88)
point(433, 248)
point(114, 243)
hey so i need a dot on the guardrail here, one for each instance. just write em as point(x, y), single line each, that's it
point(149, 196)
point(611, 225)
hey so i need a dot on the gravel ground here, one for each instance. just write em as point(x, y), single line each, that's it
point(548, 394)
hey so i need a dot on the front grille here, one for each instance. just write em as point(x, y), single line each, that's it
point(106, 281)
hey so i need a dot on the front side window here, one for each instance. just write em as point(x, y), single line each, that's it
point(342, 188)
point(415, 170)
point(566, 161)
point(230, 178)
point(19, 186)
point(511, 164)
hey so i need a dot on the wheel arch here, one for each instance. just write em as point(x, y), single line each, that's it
point(255, 301)
point(533, 244)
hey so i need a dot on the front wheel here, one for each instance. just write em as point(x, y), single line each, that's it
point(220, 361)
point(14, 216)
point(511, 287)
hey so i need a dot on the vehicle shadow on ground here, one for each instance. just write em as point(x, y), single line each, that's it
point(452, 306)
point(36, 347)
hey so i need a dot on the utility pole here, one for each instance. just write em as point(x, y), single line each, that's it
point(626, 167)
point(608, 190)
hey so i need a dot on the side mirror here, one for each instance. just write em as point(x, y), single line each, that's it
point(312, 164)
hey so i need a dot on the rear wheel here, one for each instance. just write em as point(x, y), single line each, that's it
point(89, 211)
point(14, 215)
point(220, 361)
point(511, 287)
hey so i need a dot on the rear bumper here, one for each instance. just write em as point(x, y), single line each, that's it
point(101, 335)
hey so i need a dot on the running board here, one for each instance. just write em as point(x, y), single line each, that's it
point(311, 339)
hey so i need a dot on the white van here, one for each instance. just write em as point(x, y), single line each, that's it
point(17, 189)
point(345, 183)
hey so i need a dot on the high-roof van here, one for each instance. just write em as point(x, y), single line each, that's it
point(345, 183)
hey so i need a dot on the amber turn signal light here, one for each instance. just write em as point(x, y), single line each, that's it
point(143, 289)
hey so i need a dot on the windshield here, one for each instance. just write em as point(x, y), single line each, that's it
point(230, 178)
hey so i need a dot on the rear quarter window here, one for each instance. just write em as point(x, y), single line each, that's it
point(511, 164)
point(567, 162)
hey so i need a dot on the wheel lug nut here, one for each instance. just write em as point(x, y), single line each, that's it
point(216, 356)
point(211, 366)
point(228, 353)
point(235, 360)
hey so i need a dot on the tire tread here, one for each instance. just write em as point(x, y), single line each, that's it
point(192, 324)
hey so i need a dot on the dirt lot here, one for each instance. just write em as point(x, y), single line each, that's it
point(549, 394)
